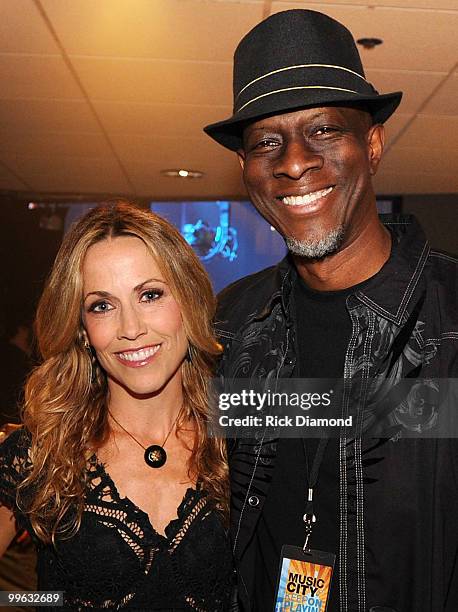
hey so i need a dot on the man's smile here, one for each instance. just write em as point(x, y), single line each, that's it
point(308, 198)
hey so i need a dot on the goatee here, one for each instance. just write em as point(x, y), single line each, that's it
point(317, 248)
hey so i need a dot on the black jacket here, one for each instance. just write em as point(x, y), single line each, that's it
point(399, 496)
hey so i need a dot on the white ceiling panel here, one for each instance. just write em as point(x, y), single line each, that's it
point(163, 82)
point(406, 4)
point(171, 29)
point(431, 131)
point(144, 158)
point(148, 181)
point(172, 152)
point(34, 76)
point(421, 160)
point(176, 120)
point(10, 181)
point(416, 86)
point(50, 144)
point(154, 72)
point(408, 35)
point(445, 101)
point(394, 125)
point(22, 29)
point(74, 174)
point(47, 116)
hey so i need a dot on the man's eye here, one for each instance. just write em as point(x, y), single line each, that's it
point(265, 143)
point(151, 295)
point(100, 307)
point(325, 130)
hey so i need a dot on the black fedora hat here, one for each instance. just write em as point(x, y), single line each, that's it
point(297, 59)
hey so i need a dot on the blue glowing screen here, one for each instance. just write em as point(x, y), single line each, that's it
point(230, 237)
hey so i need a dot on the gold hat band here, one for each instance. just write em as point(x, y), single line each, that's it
point(299, 66)
point(269, 93)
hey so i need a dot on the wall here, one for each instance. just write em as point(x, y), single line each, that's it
point(438, 214)
point(26, 255)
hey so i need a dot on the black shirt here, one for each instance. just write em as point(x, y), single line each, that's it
point(117, 559)
point(14, 367)
point(323, 330)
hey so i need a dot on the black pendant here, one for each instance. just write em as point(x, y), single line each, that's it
point(155, 456)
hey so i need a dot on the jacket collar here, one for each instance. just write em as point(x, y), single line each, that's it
point(389, 292)
point(402, 271)
point(282, 281)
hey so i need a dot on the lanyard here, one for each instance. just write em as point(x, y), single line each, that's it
point(312, 479)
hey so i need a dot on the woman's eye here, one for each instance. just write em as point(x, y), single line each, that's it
point(100, 307)
point(151, 295)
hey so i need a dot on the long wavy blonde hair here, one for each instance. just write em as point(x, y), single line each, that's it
point(65, 406)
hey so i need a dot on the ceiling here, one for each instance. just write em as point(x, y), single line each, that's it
point(98, 96)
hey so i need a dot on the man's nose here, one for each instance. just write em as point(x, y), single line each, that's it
point(296, 159)
point(131, 324)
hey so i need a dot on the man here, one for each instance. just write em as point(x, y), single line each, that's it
point(15, 350)
point(17, 565)
point(369, 303)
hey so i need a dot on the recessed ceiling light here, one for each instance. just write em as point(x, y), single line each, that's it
point(369, 43)
point(182, 173)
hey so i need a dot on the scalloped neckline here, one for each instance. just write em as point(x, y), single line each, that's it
point(172, 526)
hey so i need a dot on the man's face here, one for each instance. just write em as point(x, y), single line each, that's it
point(309, 172)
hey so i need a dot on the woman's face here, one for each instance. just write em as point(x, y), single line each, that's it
point(131, 318)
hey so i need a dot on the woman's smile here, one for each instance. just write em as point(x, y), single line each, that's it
point(131, 317)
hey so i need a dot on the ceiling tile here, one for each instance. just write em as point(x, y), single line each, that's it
point(9, 181)
point(431, 131)
point(49, 144)
point(225, 182)
point(11, 184)
point(394, 125)
point(176, 120)
point(156, 81)
point(32, 76)
point(22, 29)
point(416, 86)
point(407, 34)
point(70, 174)
point(157, 71)
point(444, 101)
point(171, 152)
point(421, 160)
point(47, 115)
point(412, 4)
point(165, 29)
point(144, 158)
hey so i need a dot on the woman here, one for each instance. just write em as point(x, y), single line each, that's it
point(114, 474)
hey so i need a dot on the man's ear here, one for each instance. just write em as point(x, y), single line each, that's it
point(241, 156)
point(376, 144)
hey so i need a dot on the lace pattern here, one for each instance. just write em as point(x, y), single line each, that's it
point(117, 559)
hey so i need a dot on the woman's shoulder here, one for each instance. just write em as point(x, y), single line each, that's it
point(14, 461)
point(20, 437)
point(14, 450)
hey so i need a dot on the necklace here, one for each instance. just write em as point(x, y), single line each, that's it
point(155, 455)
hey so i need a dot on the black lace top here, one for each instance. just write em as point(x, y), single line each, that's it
point(117, 560)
